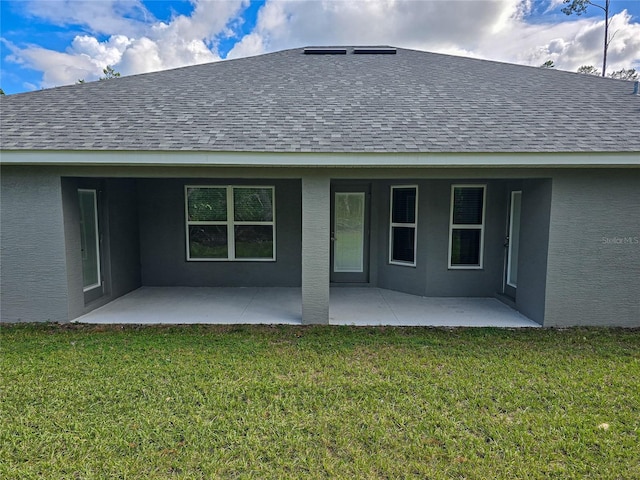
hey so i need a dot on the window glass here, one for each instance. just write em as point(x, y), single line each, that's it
point(348, 246)
point(208, 241)
point(253, 204)
point(404, 205)
point(402, 244)
point(467, 226)
point(514, 239)
point(246, 233)
point(89, 240)
point(467, 205)
point(254, 241)
point(402, 241)
point(207, 204)
point(465, 247)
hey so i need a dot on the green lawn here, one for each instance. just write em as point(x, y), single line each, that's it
point(318, 402)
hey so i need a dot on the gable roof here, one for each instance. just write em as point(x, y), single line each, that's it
point(288, 101)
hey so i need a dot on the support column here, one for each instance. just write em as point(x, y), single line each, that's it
point(316, 220)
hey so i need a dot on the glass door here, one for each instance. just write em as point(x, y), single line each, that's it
point(350, 236)
point(90, 243)
point(513, 244)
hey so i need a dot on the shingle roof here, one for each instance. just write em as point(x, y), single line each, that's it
point(291, 102)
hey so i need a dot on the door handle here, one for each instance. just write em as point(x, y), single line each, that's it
point(332, 237)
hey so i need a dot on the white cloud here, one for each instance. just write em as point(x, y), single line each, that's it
point(58, 68)
point(250, 45)
point(444, 24)
point(492, 29)
point(138, 42)
point(569, 44)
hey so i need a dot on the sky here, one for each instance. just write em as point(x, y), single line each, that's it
point(48, 43)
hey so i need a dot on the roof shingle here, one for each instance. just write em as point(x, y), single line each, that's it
point(290, 102)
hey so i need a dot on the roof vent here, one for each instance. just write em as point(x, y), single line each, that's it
point(325, 51)
point(375, 50)
point(636, 88)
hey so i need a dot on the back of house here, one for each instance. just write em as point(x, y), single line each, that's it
point(321, 168)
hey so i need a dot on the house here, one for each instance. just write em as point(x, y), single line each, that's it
point(428, 174)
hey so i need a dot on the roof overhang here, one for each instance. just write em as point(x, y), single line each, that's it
point(319, 160)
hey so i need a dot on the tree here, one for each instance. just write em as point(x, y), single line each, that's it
point(588, 70)
point(109, 73)
point(1, 91)
point(625, 74)
point(579, 7)
point(622, 74)
point(548, 64)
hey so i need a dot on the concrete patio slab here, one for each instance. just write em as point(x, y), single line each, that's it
point(349, 306)
point(206, 305)
point(375, 306)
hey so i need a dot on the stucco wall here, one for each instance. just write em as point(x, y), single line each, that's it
point(120, 242)
point(431, 275)
point(163, 243)
point(593, 270)
point(534, 241)
point(316, 224)
point(33, 280)
point(124, 241)
point(402, 278)
point(71, 213)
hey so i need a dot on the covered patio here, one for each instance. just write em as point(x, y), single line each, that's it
point(280, 305)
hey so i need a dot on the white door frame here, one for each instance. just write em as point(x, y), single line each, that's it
point(514, 238)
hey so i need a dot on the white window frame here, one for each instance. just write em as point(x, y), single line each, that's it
point(230, 223)
point(413, 225)
point(480, 227)
point(96, 226)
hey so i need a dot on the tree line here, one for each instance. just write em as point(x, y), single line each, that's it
point(622, 74)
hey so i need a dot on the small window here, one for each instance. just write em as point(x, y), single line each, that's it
point(466, 232)
point(230, 223)
point(403, 225)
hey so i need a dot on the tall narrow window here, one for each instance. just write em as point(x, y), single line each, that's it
point(230, 223)
point(403, 225)
point(89, 239)
point(466, 232)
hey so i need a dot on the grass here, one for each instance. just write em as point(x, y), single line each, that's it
point(318, 402)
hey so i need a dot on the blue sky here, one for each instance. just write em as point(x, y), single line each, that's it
point(46, 43)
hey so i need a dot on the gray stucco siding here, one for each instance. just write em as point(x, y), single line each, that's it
point(403, 278)
point(163, 238)
point(579, 254)
point(534, 242)
point(120, 256)
point(33, 273)
point(316, 224)
point(124, 241)
point(74, 279)
point(593, 269)
point(431, 276)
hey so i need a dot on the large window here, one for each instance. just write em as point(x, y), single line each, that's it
point(404, 223)
point(230, 223)
point(466, 232)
